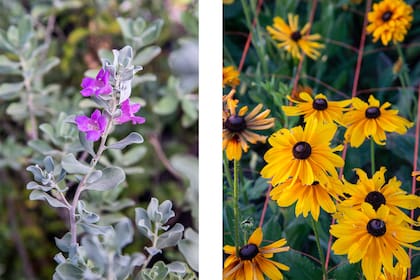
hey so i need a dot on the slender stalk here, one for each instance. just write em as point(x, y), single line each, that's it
point(372, 156)
point(267, 198)
point(236, 203)
point(404, 78)
point(82, 185)
point(320, 252)
point(227, 171)
point(154, 243)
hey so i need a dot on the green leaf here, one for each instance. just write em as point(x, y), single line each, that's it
point(131, 138)
point(171, 237)
point(190, 108)
point(166, 105)
point(146, 55)
point(150, 35)
point(143, 223)
point(10, 90)
point(25, 30)
point(4, 42)
point(347, 271)
point(133, 155)
point(8, 66)
point(301, 268)
point(73, 166)
point(66, 271)
point(17, 111)
point(39, 195)
point(86, 215)
point(124, 233)
point(47, 65)
point(111, 178)
point(63, 243)
point(189, 247)
point(13, 36)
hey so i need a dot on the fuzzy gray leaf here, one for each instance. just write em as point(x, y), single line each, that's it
point(111, 178)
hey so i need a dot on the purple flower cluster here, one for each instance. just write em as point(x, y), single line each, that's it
point(95, 126)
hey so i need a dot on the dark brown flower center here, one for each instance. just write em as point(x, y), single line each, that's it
point(386, 16)
point(248, 252)
point(372, 112)
point(376, 227)
point(315, 183)
point(320, 104)
point(376, 199)
point(296, 36)
point(235, 124)
point(302, 150)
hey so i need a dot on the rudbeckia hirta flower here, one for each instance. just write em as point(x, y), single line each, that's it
point(398, 272)
point(376, 191)
point(389, 20)
point(294, 40)
point(310, 198)
point(252, 261)
point(230, 76)
point(317, 109)
point(237, 128)
point(303, 154)
point(372, 120)
point(374, 237)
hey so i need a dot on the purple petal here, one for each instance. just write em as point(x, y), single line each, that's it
point(137, 120)
point(122, 119)
point(107, 89)
point(95, 115)
point(103, 76)
point(87, 92)
point(87, 82)
point(134, 108)
point(82, 123)
point(102, 123)
point(93, 135)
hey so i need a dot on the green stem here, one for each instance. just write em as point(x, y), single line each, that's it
point(372, 156)
point(227, 171)
point(320, 252)
point(404, 78)
point(236, 203)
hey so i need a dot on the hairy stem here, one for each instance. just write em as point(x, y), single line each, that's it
point(320, 252)
point(236, 203)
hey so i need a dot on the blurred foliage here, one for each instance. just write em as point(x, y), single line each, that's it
point(267, 77)
point(60, 39)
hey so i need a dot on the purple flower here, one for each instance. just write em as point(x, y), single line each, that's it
point(99, 85)
point(93, 126)
point(127, 113)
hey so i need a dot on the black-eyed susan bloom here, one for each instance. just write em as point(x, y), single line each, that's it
point(252, 261)
point(238, 126)
point(376, 191)
point(372, 120)
point(230, 76)
point(389, 20)
point(294, 40)
point(308, 198)
point(398, 272)
point(303, 154)
point(373, 237)
point(318, 109)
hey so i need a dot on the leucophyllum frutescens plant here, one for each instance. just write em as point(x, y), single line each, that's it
point(93, 249)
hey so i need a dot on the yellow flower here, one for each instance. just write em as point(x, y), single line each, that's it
point(309, 197)
point(302, 154)
point(366, 120)
point(398, 272)
point(390, 20)
point(237, 127)
point(252, 261)
point(294, 40)
point(416, 173)
point(230, 76)
point(228, 2)
point(317, 109)
point(373, 237)
point(376, 191)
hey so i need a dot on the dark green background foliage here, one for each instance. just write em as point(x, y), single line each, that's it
point(164, 166)
point(267, 77)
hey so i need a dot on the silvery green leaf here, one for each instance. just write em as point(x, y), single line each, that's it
point(146, 55)
point(95, 252)
point(143, 223)
point(171, 237)
point(189, 247)
point(131, 138)
point(90, 275)
point(166, 105)
point(101, 102)
point(47, 65)
point(10, 90)
point(64, 242)
point(35, 186)
point(94, 176)
point(137, 259)
point(49, 164)
point(111, 178)
point(137, 26)
point(160, 213)
point(17, 111)
point(4, 42)
point(59, 258)
point(189, 108)
point(86, 215)
point(148, 77)
point(13, 36)
point(87, 145)
point(61, 176)
point(36, 171)
point(8, 66)
point(177, 267)
point(24, 30)
point(133, 155)
point(187, 121)
point(95, 229)
point(153, 251)
point(39, 195)
point(125, 56)
point(125, 90)
point(49, 131)
point(67, 271)
point(184, 63)
point(124, 233)
point(73, 166)
point(149, 35)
